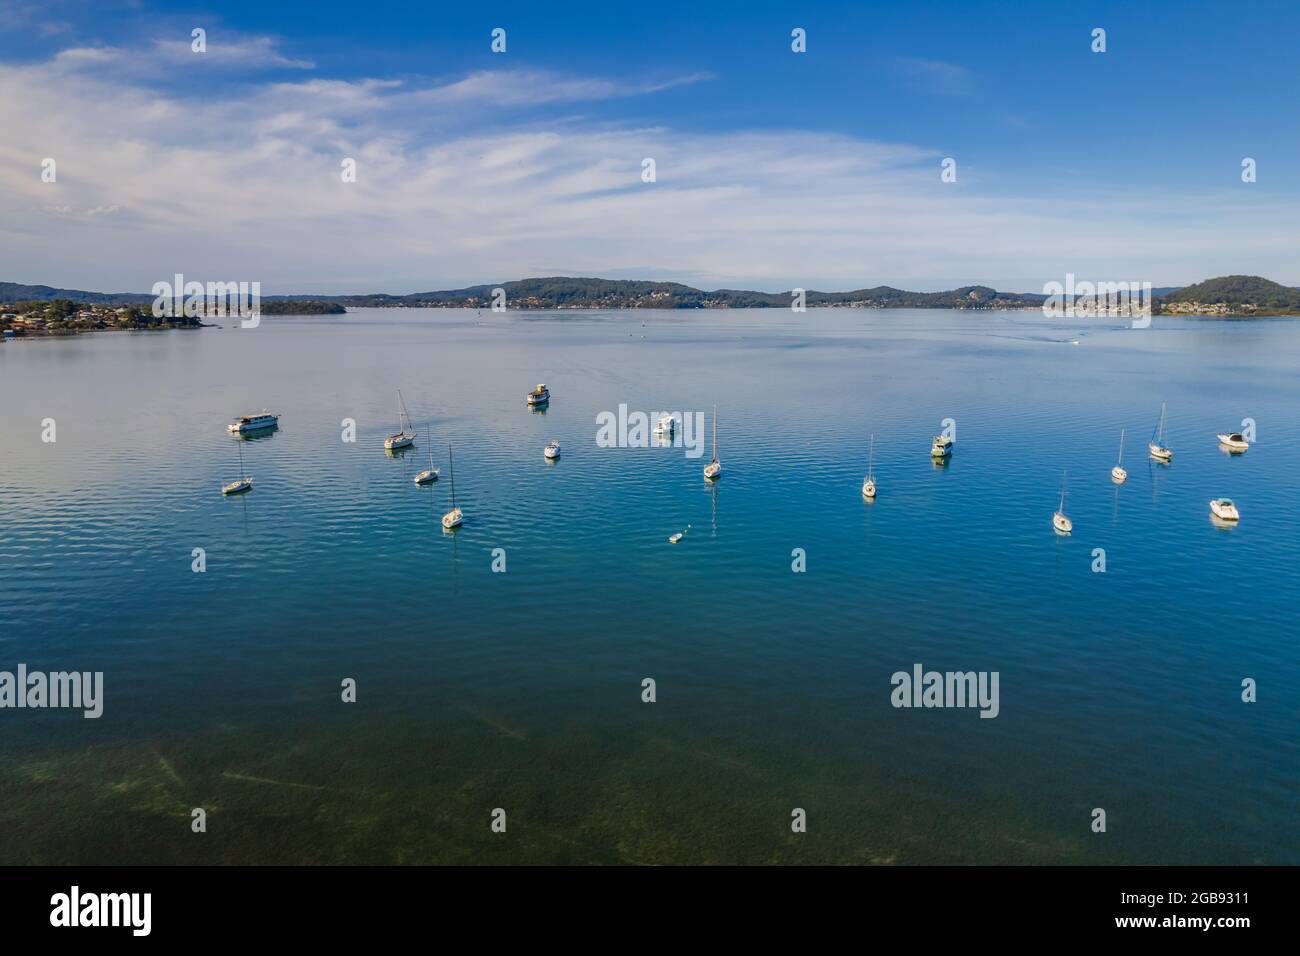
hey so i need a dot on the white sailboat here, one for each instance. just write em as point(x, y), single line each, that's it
point(454, 517)
point(1060, 522)
point(1159, 450)
point(429, 474)
point(869, 486)
point(713, 469)
point(243, 482)
point(1118, 474)
point(405, 436)
point(552, 451)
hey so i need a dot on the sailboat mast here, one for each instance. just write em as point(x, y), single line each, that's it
point(1120, 460)
point(451, 467)
point(871, 455)
point(715, 432)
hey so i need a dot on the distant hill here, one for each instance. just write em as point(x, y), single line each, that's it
point(1238, 293)
point(16, 292)
point(563, 292)
point(1227, 295)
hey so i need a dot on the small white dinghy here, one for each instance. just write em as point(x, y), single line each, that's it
point(869, 485)
point(1235, 442)
point(243, 482)
point(454, 517)
point(674, 538)
point(1159, 450)
point(1118, 474)
point(552, 451)
point(429, 474)
point(713, 470)
point(1224, 509)
point(1060, 522)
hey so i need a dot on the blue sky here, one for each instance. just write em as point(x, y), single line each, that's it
point(774, 169)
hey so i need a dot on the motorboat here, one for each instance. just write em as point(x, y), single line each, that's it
point(253, 423)
point(1224, 509)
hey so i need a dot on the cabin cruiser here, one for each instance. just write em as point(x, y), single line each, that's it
point(552, 450)
point(539, 396)
point(253, 423)
point(1224, 509)
point(942, 447)
point(1235, 442)
point(666, 425)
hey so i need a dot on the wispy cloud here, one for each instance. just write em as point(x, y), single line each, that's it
point(259, 52)
point(939, 77)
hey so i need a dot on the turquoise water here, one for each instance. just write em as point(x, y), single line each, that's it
point(522, 690)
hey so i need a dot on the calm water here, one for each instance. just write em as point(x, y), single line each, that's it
point(521, 689)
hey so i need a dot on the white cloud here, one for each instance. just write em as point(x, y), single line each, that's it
point(247, 186)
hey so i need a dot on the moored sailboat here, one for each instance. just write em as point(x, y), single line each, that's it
point(242, 483)
point(454, 517)
point(405, 435)
point(869, 485)
point(1118, 474)
point(713, 470)
point(1060, 522)
point(1159, 450)
point(429, 474)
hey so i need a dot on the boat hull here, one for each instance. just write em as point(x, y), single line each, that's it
point(237, 487)
point(1062, 524)
point(393, 444)
point(243, 428)
point(1160, 454)
point(1118, 475)
point(452, 519)
point(426, 477)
